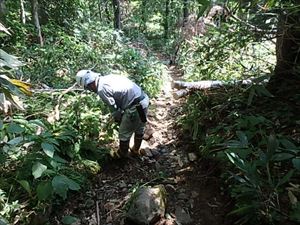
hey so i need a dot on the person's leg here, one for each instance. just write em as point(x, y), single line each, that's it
point(138, 135)
point(127, 127)
point(123, 148)
point(138, 138)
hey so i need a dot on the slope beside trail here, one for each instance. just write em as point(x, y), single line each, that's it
point(194, 192)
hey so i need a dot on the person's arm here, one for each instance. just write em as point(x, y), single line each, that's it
point(107, 97)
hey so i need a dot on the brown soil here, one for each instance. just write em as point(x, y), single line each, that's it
point(193, 185)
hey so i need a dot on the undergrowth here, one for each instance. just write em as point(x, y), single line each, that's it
point(259, 145)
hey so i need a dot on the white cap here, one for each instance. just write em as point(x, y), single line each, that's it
point(85, 77)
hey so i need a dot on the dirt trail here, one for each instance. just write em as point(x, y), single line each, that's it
point(193, 186)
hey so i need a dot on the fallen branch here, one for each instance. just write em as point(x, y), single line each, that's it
point(186, 87)
point(56, 90)
point(98, 213)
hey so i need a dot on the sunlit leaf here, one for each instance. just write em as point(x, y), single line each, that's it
point(9, 60)
point(3, 222)
point(15, 141)
point(23, 87)
point(38, 169)
point(48, 149)
point(3, 28)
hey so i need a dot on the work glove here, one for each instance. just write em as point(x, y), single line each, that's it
point(117, 115)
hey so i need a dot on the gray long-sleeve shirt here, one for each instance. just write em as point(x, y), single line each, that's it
point(118, 91)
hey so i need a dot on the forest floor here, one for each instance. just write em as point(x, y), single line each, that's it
point(194, 187)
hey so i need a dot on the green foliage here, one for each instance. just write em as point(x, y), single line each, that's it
point(69, 220)
point(10, 89)
point(264, 166)
point(49, 149)
point(259, 183)
point(227, 53)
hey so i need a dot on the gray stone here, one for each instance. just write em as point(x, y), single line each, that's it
point(192, 157)
point(122, 184)
point(182, 216)
point(147, 205)
point(183, 196)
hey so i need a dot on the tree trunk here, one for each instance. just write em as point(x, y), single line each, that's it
point(2, 10)
point(185, 10)
point(166, 20)
point(22, 13)
point(117, 14)
point(100, 9)
point(286, 79)
point(143, 16)
point(107, 12)
point(36, 21)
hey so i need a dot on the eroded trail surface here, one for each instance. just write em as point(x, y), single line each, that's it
point(194, 193)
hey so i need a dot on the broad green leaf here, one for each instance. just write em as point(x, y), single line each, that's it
point(3, 158)
point(26, 186)
point(282, 156)
point(60, 187)
point(242, 210)
point(272, 146)
point(296, 163)
point(49, 172)
point(285, 178)
point(263, 91)
point(38, 123)
point(289, 145)
point(69, 220)
point(295, 213)
point(23, 87)
point(10, 60)
point(38, 169)
point(53, 141)
point(3, 222)
point(44, 190)
point(59, 159)
point(48, 149)
point(15, 128)
point(243, 138)
point(251, 96)
point(1, 124)
point(7, 85)
point(195, 130)
point(15, 141)
point(236, 160)
point(292, 197)
point(3, 29)
point(61, 184)
point(72, 184)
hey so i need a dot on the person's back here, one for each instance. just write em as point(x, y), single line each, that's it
point(118, 87)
